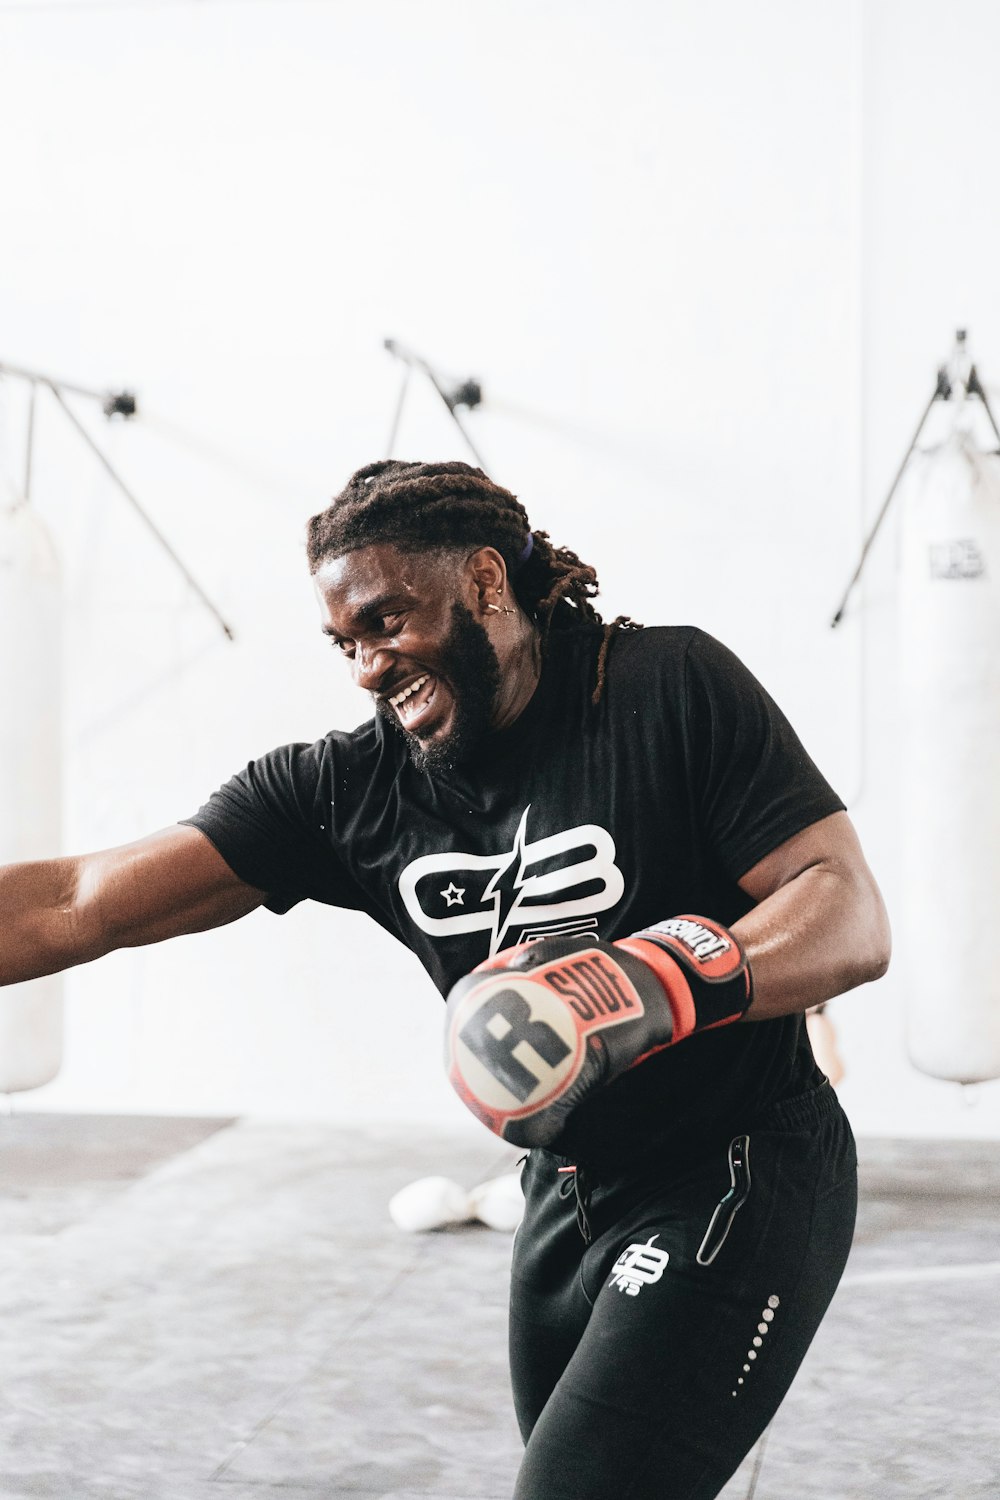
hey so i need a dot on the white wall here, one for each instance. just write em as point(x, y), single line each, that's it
point(704, 260)
point(930, 241)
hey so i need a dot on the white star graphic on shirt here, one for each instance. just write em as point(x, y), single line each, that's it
point(454, 894)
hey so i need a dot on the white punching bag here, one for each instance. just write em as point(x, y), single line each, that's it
point(30, 772)
point(949, 623)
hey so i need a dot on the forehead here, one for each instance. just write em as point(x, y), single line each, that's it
point(362, 581)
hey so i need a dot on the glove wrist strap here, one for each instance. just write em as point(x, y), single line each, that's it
point(702, 969)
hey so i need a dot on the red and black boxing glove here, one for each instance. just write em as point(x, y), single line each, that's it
point(535, 1029)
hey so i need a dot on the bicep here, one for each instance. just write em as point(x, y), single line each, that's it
point(831, 844)
point(819, 926)
point(166, 885)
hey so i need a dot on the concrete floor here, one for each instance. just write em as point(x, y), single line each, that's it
point(222, 1310)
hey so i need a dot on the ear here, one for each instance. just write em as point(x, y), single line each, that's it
point(486, 573)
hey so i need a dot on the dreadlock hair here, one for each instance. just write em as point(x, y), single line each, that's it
point(425, 507)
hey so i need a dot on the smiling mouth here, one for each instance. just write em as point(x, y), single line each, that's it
point(414, 703)
point(413, 687)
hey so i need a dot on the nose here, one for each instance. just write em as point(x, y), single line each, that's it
point(369, 666)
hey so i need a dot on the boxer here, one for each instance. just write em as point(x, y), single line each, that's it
point(608, 847)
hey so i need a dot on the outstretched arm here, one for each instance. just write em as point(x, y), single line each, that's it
point(820, 926)
point(60, 912)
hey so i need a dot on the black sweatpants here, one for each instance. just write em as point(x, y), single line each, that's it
point(646, 1363)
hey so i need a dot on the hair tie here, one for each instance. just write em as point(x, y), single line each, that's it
point(526, 550)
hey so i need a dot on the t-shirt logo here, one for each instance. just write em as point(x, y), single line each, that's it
point(554, 884)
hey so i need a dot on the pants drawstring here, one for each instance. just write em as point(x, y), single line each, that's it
point(577, 1182)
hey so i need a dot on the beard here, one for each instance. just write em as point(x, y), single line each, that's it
point(474, 678)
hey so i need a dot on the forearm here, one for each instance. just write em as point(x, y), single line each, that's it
point(63, 912)
point(821, 934)
point(39, 931)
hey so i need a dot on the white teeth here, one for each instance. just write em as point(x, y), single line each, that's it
point(402, 697)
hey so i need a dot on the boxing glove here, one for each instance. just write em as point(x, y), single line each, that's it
point(536, 1029)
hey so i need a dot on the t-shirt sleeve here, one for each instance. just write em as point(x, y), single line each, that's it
point(754, 784)
point(271, 824)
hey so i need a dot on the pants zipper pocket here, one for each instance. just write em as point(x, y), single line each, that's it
point(725, 1212)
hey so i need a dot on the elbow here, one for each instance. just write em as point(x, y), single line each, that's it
point(879, 963)
point(878, 949)
point(885, 948)
point(864, 935)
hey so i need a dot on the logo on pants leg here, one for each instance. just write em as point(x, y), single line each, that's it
point(639, 1266)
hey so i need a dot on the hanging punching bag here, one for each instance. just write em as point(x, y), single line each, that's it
point(949, 624)
point(30, 772)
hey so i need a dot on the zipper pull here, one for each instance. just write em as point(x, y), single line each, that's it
point(722, 1219)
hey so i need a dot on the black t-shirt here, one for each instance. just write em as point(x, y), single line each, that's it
point(575, 819)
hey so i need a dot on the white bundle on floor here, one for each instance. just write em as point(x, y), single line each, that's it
point(436, 1202)
point(499, 1203)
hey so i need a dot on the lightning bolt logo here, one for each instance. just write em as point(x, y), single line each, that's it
point(541, 881)
point(507, 886)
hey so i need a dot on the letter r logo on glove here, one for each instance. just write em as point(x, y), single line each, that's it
point(536, 1028)
point(502, 1035)
point(518, 1038)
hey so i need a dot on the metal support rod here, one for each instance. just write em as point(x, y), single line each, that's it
point(398, 413)
point(144, 517)
point(64, 385)
point(455, 417)
point(408, 357)
point(975, 387)
point(941, 393)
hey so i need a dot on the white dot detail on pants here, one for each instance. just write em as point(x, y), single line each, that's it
point(761, 1327)
point(767, 1315)
point(751, 1354)
point(773, 1301)
point(745, 1368)
point(757, 1342)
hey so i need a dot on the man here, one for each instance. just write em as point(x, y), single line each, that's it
point(535, 786)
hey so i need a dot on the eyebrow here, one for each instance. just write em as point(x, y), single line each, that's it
point(371, 610)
